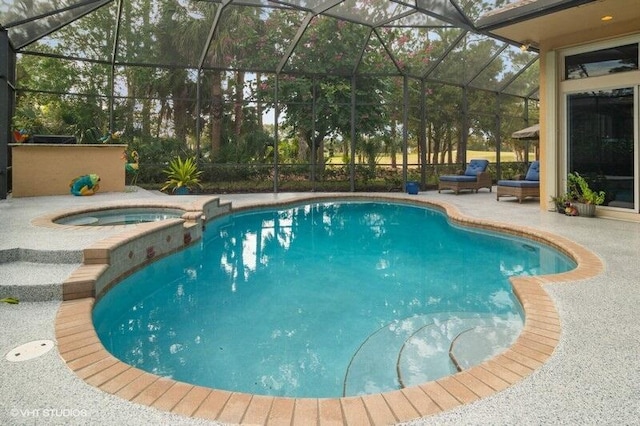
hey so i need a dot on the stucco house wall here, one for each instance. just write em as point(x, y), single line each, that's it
point(552, 140)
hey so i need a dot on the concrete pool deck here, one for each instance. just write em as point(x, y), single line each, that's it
point(591, 377)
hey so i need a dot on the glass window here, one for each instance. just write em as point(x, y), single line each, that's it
point(601, 62)
point(601, 144)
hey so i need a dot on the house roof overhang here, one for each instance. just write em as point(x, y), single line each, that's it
point(531, 22)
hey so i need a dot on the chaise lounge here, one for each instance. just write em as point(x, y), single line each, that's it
point(475, 177)
point(521, 189)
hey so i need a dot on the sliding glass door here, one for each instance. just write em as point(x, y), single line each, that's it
point(600, 142)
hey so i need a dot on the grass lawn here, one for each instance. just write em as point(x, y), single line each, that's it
point(505, 156)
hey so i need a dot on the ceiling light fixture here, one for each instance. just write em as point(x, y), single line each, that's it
point(527, 45)
point(606, 18)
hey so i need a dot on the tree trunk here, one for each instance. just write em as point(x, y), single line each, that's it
point(239, 101)
point(303, 146)
point(216, 113)
point(460, 152)
point(259, 108)
point(346, 151)
point(392, 147)
point(180, 103)
point(161, 114)
point(128, 114)
point(449, 147)
point(436, 138)
point(317, 156)
point(146, 113)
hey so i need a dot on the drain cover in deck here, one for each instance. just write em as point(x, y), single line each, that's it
point(30, 350)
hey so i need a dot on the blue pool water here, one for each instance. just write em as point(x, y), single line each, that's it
point(323, 300)
point(120, 216)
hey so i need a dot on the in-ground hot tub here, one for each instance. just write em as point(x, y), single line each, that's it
point(119, 216)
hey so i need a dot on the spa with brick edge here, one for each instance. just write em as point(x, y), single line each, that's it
point(81, 349)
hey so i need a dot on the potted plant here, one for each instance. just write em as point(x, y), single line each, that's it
point(582, 197)
point(182, 176)
point(561, 202)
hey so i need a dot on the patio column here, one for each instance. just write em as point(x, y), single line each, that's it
point(405, 132)
point(276, 157)
point(352, 160)
point(314, 118)
point(199, 120)
point(422, 134)
point(7, 99)
point(464, 132)
point(112, 73)
point(497, 130)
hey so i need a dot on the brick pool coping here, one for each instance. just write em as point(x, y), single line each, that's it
point(81, 349)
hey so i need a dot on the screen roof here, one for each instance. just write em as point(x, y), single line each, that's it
point(436, 40)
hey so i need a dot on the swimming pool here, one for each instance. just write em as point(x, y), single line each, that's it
point(391, 286)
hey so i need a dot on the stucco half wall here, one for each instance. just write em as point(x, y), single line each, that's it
point(47, 169)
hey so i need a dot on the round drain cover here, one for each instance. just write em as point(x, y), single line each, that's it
point(30, 350)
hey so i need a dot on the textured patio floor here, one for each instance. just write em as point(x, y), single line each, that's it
point(592, 377)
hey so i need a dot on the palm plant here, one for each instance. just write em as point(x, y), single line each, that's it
point(182, 175)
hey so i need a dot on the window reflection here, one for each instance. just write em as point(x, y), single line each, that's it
point(602, 62)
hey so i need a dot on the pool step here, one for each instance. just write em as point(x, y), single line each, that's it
point(446, 347)
point(33, 281)
point(373, 368)
point(471, 347)
point(417, 350)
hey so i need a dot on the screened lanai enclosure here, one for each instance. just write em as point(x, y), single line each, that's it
point(270, 95)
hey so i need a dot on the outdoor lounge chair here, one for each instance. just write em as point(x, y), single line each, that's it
point(475, 177)
point(521, 189)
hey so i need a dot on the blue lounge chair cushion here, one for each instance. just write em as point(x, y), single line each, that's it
point(475, 167)
point(534, 171)
point(531, 180)
point(519, 183)
point(458, 178)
